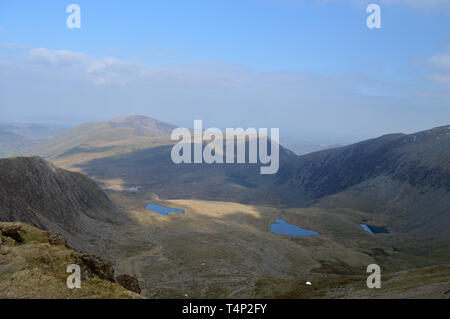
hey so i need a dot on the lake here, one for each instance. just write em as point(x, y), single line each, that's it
point(163, 210)
point(366, 228)
point(375, 229)
point(283, 228)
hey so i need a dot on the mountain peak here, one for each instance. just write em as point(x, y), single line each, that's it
point(143, 123)
point(133, 117)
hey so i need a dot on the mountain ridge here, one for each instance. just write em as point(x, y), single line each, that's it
point(105, 133)
point(403, 175)
point(392, 175)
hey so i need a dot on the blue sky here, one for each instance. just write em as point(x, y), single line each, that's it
point(304, 66)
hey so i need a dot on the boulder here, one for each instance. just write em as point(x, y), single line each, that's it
point(129, 282)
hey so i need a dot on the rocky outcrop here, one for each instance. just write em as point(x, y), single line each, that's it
point(13, 232)
point(56, 239)
point(129, 282)
point(93, 266)
point(30, 258)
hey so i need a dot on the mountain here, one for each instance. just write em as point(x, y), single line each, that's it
point(14, 137)
point(406, 177)
point(400, 178)
point(35, 192)
point(129, 152)
point(403, 179)
point(129, 131)
point(223, 245)
point(152, 170)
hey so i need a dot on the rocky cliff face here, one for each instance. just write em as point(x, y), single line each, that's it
point(35, 192)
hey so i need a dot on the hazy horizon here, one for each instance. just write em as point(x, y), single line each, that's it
point(312, 69)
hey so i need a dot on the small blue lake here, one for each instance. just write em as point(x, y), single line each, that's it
point(366, 228)
point(283, 228)
point(372, 229)
point(163, 210)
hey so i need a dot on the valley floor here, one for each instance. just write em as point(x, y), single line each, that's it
point(226, 250)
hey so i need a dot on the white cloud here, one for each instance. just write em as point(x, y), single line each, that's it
point(441, 66)
point(442, 78)
point(11, 46)
point(441, 61)
point(109, 70)
point(100, 71)
point(62, 58)
point(51, 84)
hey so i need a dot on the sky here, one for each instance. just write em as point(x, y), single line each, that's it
point(309, 67)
